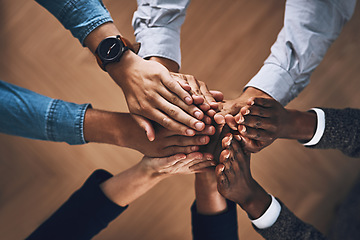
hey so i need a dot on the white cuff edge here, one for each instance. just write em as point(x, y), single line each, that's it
point(319, 129)
point(270, 216)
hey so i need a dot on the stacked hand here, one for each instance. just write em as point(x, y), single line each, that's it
point(235, 181)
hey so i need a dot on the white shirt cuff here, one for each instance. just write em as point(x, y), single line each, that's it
point(319, 129)
point(270, 216)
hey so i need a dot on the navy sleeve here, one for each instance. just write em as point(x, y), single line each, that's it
point(214, 227)
point(83, 215)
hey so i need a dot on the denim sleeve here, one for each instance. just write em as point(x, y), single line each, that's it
point(157, 25)
point(28, 114)
point(310, 27)
point(79, 16)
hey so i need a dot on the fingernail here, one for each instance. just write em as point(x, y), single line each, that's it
point(194, 148)
point(227, 155)
point(190, 132)
point(203, 139)
point(229, 141)
point(222, 168)
point(180, 157)
point(188, 100)
point(198, 114)
point(247, 112)
point(209, 157)
point(243, 128)
point(241, 119)
point(237, 137)
point(252, 103)
point(199, 126)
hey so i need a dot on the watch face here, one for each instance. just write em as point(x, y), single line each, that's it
point(110, 49)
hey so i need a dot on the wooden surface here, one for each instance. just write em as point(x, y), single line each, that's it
point(224, 43)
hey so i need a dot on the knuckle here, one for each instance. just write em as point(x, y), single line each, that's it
point(172, 112)
point(166, 122)
point(258, 123)
point(174, 99)
point(171, 84)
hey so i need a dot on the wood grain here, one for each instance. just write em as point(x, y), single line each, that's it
point(224, 43)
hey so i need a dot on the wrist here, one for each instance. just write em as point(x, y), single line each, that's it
point(256, 203)
point(149, 172)
point(120, 71)
point(171, 65)
point(301, 125)
point(104, 127)
point(208, 199)
point(94, 38)
point(254, 92)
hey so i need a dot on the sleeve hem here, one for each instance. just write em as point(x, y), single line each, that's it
point(275, 81)
point(270, 216)
point(166, 44)
point(319, 129)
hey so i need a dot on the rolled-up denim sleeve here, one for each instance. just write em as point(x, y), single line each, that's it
point(79, 16)
point(310, 27)
point(28, 114)
point(157, 25)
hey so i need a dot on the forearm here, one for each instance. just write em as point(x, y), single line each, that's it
point(301, 125)
point(308, 31)
point(28, 114)
point(129, 185)
point(208, 200)
point(107, 127)
point(257, 202)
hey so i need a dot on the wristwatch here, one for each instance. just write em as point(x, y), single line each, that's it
point(111, 49)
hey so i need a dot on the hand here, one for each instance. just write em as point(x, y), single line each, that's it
point(152, 93)
point(177, 164)
point(149, 90)
point(207, 100)
point(120, 129)
point(229, 108)
point(261, 122)
point(167, 142)
point(235, 181)
point(130, 184)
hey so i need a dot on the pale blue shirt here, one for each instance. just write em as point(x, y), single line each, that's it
point(309, 29)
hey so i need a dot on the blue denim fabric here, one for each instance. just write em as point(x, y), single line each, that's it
point(29, 114)
point(79, 16)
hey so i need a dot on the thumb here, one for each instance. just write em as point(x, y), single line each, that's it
point(146, 125)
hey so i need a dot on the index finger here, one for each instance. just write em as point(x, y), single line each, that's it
point(264, 102)
point(175, 87)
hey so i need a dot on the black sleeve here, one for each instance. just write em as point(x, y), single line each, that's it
point(342, 131)
point(214, 227)
point(83, 215)
point(290, 227)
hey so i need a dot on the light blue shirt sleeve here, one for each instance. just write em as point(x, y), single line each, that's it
point(79, 16)
point(157, 25)
point(309, 29)
point(28, 114)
